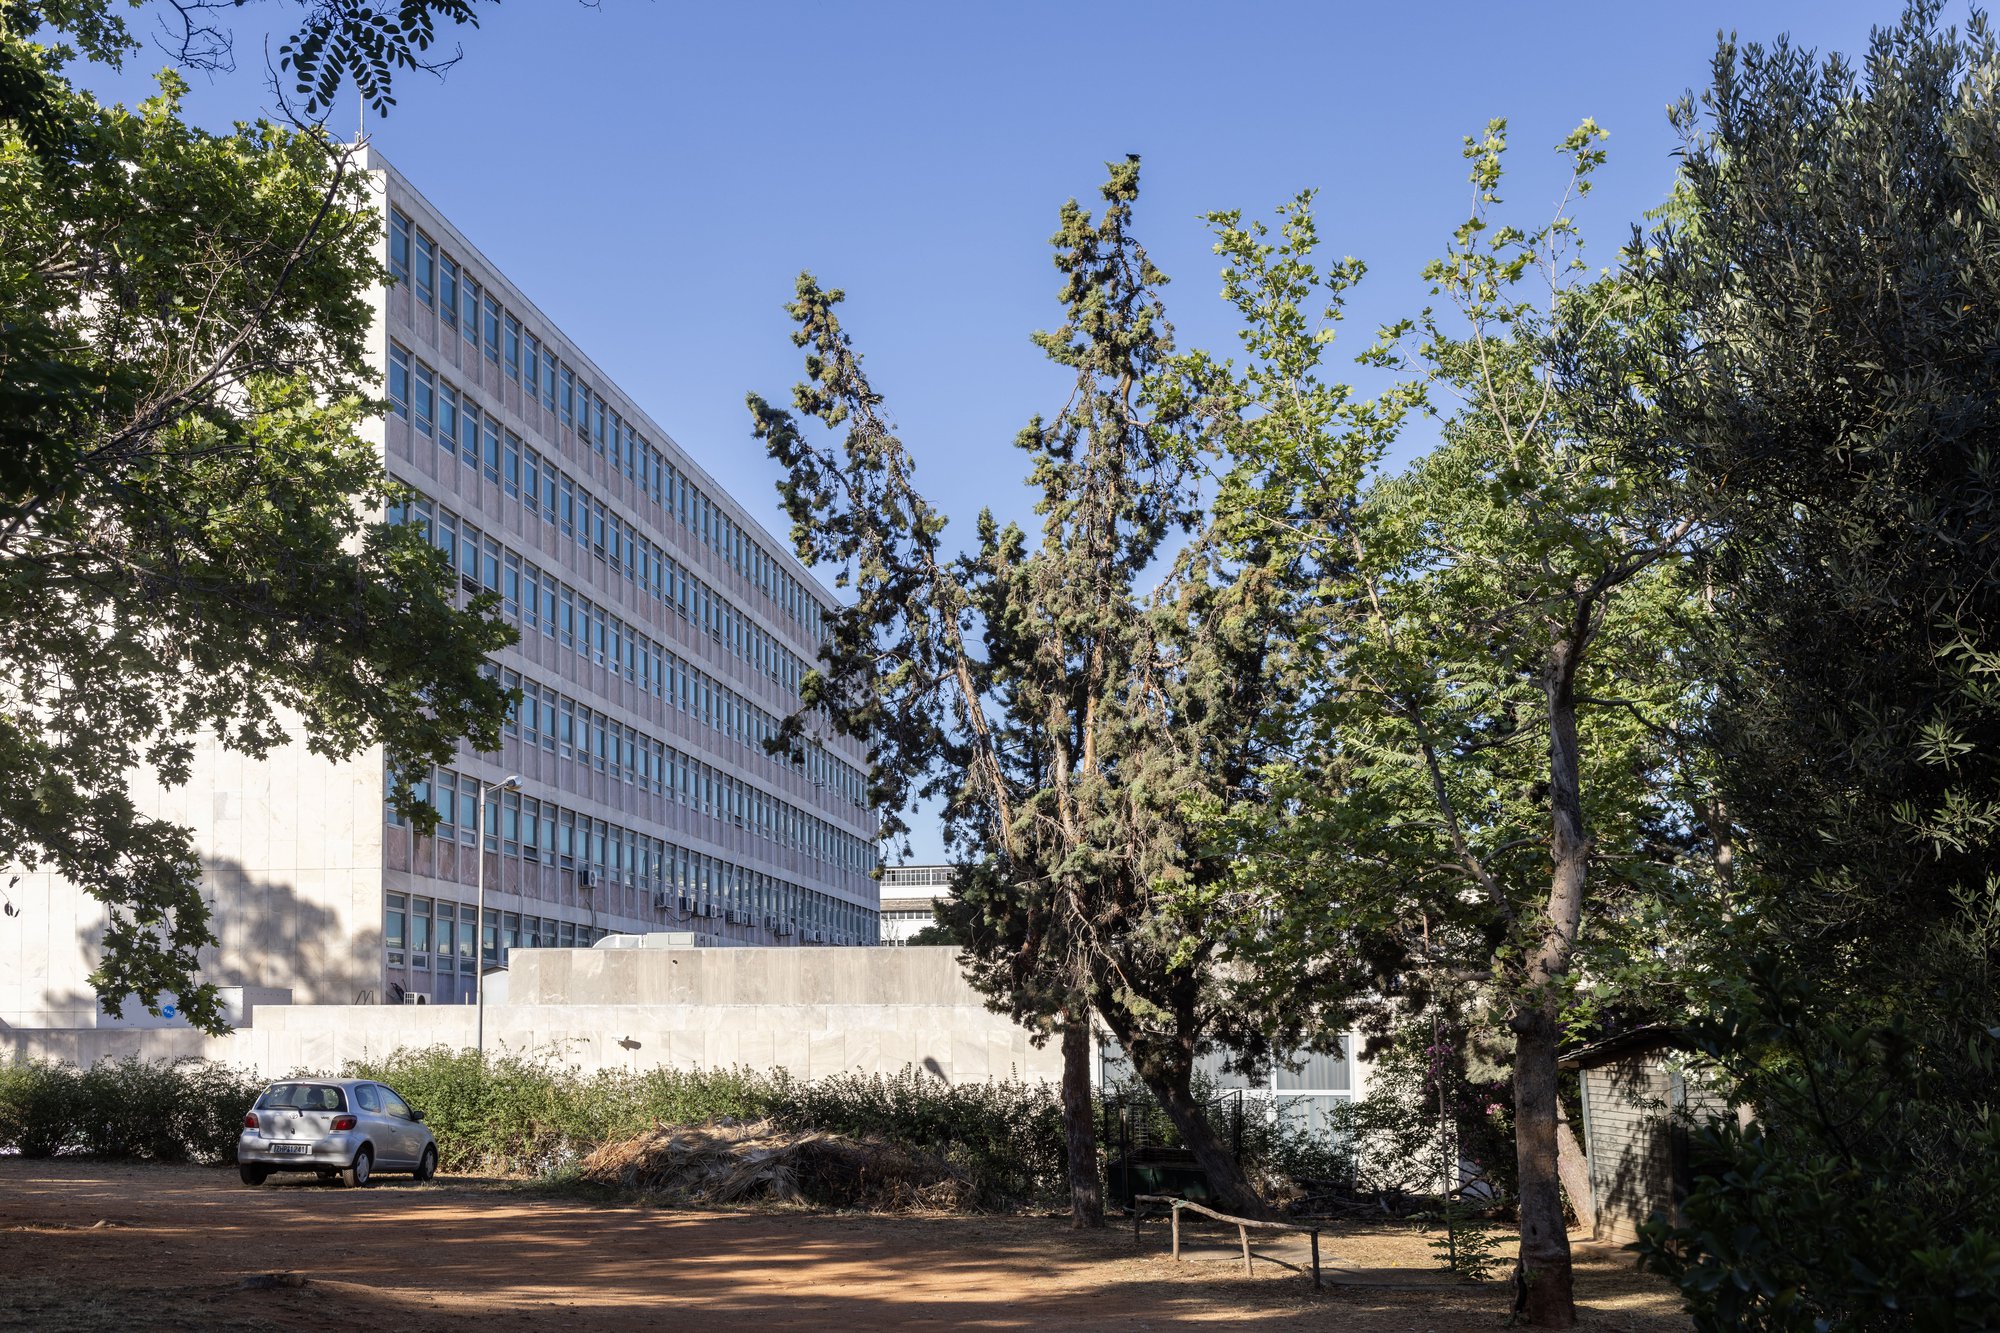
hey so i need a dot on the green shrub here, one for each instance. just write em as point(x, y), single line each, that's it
point(530, 1115)
point(186, 1110)
point(534, 1115)
point(41, 1106)
point(1273, 1136)
point(213, 1099)
point(132, 1109)
point(1867, 1194)
point(1007, 1137)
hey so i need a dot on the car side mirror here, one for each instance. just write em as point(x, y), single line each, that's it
point(415, 1114)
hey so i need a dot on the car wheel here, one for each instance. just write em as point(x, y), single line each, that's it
point(251, 1175)
point(428, 1167)
point(356, 1174)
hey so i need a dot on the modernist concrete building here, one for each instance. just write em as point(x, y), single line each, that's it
point(663, 635)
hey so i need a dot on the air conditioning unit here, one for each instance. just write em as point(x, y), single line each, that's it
point(782, 928)
point(815, 936)
point(586, 879)
point(415, 997)
point(738, 917)
point(660, 901)
point(708, 909)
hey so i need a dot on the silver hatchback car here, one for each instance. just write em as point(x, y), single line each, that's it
point(345, 1127)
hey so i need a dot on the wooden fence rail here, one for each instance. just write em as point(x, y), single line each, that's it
point(1242, 1225)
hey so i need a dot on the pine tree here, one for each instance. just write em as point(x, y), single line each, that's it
point(1078, 728)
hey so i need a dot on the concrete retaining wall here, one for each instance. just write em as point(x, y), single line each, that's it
point(812, 1012)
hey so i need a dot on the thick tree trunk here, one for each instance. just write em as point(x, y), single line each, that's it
point(1232, 1189)
point(1574, 1168)
point(1086, 1188)
point(1545, 1281)
point(1547, 1299)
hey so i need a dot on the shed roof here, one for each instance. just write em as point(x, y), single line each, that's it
point(1654, 1036)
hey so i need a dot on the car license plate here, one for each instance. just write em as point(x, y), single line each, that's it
point(288, 1147)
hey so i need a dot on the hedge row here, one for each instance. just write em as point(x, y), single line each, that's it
point(530, 1116)
point(525, 1116)
point(180, 1111)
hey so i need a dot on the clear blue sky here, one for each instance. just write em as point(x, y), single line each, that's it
point(655, 173)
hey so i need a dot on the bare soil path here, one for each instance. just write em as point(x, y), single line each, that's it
point(95, 1245)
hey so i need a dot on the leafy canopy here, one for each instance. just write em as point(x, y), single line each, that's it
point(191, 534)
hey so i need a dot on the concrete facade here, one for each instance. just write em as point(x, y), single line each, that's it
point(294, 885)
point(662, 635)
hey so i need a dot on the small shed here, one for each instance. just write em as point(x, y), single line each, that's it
point(1642, 1092)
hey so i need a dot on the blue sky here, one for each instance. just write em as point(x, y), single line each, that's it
point(655, 174)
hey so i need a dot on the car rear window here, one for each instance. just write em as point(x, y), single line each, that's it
point(302, 1097)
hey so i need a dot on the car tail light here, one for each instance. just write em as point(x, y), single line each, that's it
point(250, 1121)
point(341, 1122)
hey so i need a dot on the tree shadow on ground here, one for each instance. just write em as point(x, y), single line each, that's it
point(418, 1258)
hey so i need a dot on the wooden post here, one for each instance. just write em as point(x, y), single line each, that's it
point(1243, 1234)
point(1177, 1231)
point(1315, 1236)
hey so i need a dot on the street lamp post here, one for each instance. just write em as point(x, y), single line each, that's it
point(512, 783)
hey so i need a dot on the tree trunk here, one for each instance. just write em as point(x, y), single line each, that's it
point(1086, 1188)
point(1547, 1298)
point(1574, 1168)
point(1545, 1291)
point(1232, 1190)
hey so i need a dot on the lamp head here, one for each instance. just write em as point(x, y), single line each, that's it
point(511, 783)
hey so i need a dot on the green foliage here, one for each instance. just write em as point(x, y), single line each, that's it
point(367, 43)
point(1076, 726)
point(1487, 784)
point(186, 1110)
point(338, 41)
point(191, 534)
point(1007, 1137)
point(1834, 401)
point(1514, 584)
point(531, 1115)
point(1838, 405)
point(1465, 1244)
point(41, 1106)
point(534, 1116)
point(1274, 1139)
point(1399, 1142)
point(1866, 1195)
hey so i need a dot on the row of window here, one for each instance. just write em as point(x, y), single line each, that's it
point(442, 285)
point(571, 729)
point(536, 601)
point(416, 929)
point(438, 410)
point(918, 877)
point(545, 833)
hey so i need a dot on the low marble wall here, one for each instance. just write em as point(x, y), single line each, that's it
point(811, 1012)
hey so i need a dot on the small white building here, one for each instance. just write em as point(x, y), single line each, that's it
point(909, 894)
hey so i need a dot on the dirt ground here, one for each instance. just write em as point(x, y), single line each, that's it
point(94, 1245)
